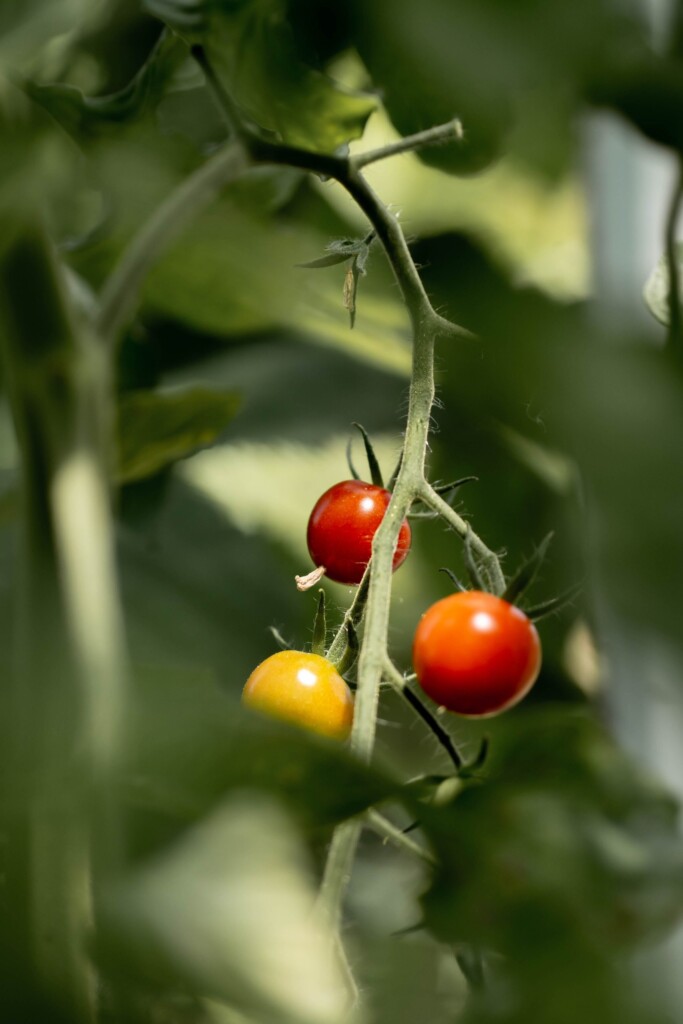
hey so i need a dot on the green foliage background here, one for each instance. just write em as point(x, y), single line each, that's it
point(236, 385)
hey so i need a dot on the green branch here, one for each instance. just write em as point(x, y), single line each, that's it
point(121, 292)
point(437, 136)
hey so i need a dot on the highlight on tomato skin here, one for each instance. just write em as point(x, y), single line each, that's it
point(302, 689)
point(475, 654)
point(342, 525)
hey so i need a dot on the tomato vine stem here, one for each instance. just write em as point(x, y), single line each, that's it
point(451, 131)
point(247, 148)
point(392, 834)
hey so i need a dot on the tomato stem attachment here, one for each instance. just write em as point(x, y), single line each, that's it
point(392, 834)
point(304, 583)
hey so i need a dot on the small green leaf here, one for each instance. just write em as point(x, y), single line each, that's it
point(319, 625)
point(347, 246)
point(350, 654)
point(527, 572)
point(454, 485)
point(156, 428)
point(373, 464)
point(553, 604)
point(330, 260)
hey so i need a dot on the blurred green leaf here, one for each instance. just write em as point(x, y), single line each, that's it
point(565, 820)
point(27, 26)
point(83, 115)
point(190, 745)
point(493, 65)
point(226, 913)
point(645, 88)
point(331, 260)
point(612, 402)
point(205, 282)
point(156, 428)
point(568, 854)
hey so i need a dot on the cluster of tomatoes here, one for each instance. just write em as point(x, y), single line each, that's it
point(474, 653)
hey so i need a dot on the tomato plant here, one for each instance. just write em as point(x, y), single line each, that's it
point(341, 527)
point(304, 689)
point(476, 654)
point(180, 271)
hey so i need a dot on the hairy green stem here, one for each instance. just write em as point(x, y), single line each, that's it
point(488, 558)
point(385, 828)
point(436, 136)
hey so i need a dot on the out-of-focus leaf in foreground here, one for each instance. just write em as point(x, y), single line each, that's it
point(568, 855)
point(190, 745)
point(28, 25)
point(156, 428)
point(84, 115)
point(227, 913)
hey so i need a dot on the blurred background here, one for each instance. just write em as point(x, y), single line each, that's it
point(237, 384)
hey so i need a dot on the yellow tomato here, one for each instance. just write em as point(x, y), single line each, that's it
point(304, 689)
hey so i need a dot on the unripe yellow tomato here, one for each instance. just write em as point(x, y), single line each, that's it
point(304, 689)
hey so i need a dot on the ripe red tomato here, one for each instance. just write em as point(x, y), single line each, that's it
point(341, 527)
point(476, 654)
point(304, 689)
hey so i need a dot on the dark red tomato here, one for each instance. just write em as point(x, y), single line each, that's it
point(476, 654)
point(342, 525)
